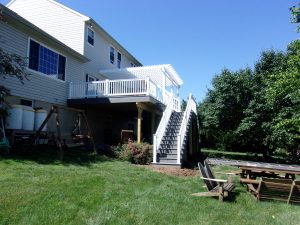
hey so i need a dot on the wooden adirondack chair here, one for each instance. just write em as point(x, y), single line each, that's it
point(275, 189)
point(216, 187)
point(294, 197)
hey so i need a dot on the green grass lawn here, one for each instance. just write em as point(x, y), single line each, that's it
point(114, 192)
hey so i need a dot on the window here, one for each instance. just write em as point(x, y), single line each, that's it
point(46, 61)
point(26, 102)
point(119, 60)
point(90, 35)
point(112, 55)
point(89, 78)
point(91, 89)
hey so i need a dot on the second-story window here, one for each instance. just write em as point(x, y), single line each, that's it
point(119, 60)
point(112, 55)
point(90, 35)
point(46, 61)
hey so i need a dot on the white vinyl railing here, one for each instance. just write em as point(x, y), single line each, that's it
point(111, 88)
point(190, 107)
point(157, 137)
point(124, 87)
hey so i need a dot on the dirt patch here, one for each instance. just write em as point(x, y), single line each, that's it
point(172, 171)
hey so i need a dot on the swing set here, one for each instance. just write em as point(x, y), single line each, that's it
point(77, 138)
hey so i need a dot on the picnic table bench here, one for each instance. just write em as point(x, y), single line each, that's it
point(285, 190)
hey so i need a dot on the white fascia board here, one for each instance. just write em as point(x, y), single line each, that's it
point(8, 4)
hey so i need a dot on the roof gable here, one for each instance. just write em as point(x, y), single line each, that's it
point(84, 18)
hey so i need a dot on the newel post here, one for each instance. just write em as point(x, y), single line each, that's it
point(154, 148)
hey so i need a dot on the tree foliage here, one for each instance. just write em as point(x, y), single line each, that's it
point(255, 110)
point(283, 94)
point(183, 105)
point(295, 11)
point(12, 65)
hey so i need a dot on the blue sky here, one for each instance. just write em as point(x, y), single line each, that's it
point(198, 37)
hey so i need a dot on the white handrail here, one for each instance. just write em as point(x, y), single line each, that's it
point(190, 107)
point(157, 137)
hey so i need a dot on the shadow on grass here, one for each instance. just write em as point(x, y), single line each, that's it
point(233, 196)
point(246, 157)
point(50, 155)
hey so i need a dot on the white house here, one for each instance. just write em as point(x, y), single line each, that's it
point(75, 63)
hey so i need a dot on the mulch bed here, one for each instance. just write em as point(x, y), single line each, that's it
point(172, 171)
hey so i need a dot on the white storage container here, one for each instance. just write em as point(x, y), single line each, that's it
point(40, 116)
point(15, 117)
point(28, 118)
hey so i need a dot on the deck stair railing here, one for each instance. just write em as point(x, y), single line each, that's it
point(190, 108)
point(157, 137)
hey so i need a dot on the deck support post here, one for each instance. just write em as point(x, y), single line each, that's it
point(152, 123)
point(139, 127)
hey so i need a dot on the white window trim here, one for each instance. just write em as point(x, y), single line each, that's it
point(114, 55)
point(40, 73)
point(87, 36)
point(45, 75)
point(118, 52)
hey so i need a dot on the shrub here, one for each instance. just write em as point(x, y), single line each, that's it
point(124, 153)
point(135, 153)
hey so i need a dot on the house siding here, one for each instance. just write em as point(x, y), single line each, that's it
point(100, 53)
point(38, 86)
point(70, 28)
point(62, 24)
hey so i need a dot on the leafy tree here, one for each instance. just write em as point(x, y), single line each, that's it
point(223, 108)
point(283, 94)
point(12, 65)
point(295, 11)
point(254, 128)
point(256, 110)
point(183, 105)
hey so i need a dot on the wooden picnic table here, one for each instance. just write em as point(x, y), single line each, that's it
point(250, 172)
